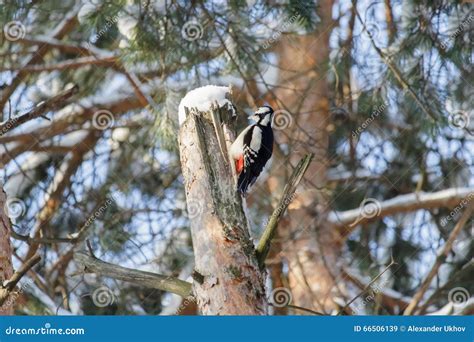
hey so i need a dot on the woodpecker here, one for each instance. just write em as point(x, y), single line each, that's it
point(253, 148)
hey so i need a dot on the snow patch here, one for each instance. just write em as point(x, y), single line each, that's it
point(202, 98)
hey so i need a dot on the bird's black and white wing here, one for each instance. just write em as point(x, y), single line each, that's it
point(256, 151)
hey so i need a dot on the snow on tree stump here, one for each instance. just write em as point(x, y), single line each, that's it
point(228, 280)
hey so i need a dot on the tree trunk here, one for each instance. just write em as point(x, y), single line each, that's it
point(228, 280)
point(311, 246)
point(6, 268)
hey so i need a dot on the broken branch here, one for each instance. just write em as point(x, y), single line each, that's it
point(9, 285)
point(264, 244)
point(143, 278)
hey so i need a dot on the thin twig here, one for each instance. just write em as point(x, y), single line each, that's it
point(264, 244)
point(305, 309)
point(89, 248)
point(49, 105)
point(296, 307)
point(68, 64)
point(392, 262)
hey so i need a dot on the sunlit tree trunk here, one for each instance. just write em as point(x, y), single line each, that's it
point(309, 244)
point(6, 269)
point(228, 280)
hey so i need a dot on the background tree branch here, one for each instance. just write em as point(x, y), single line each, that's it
point(40, 109)
point(345, 221)
point(440, 258)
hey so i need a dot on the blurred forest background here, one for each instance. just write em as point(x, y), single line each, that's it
point(380, 91)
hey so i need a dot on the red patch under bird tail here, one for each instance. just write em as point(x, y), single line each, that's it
point(239, 164)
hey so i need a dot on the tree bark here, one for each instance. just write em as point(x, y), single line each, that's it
point(227, 280)
point(310, 244)
point(6, 268)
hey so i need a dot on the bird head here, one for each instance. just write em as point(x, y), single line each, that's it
point(263, 115)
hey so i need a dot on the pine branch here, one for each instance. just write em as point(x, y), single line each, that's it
point(67, 64)
point(52, 43)
point(442, 254)
point(142, 278)
point(397, 73)
point(264, 244)
point(52, 104)
point(60, 182)
point(66, 26)
point(80, 115)
point(453, 279)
